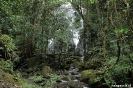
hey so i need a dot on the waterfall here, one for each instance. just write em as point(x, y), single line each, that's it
point(68, 15)
point(50, 45)
point(71, 13)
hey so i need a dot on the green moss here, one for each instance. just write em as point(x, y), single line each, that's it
point(88, 76)
point(46, 70)
point(10, 79)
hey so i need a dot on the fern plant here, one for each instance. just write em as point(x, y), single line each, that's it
point(8, 42)
point(7, 65)
point(116, 73)
point(8, 45)
point(37, 79)
point(30, 86)
point(52, 80)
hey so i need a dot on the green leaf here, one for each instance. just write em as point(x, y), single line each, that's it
point(117, 30)
point(125, 30)
point(113, 41)
point(92, 1)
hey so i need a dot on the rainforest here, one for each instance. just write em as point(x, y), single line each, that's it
point(66, 43)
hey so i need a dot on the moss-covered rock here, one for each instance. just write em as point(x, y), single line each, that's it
point(88, 76)
point(46, 70)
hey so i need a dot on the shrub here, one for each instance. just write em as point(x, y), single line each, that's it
point(52, 80)
point(7, 46)
point(37, 79)
point(7, 65)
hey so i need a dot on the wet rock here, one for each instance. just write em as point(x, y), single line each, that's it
point(75, 73)
point(65, 78)
point(46, 70)
point(70, 84)
point(77, 76)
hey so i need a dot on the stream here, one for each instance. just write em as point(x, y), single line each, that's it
point(71, 80)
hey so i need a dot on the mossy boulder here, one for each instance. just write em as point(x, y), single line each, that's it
point(46, 70)
point(88, 76)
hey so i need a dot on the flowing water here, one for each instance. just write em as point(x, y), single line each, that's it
point(75, 24)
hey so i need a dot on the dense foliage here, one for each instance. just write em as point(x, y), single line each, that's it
point(26, 27)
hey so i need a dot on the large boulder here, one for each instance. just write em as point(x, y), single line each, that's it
point(88, 76)
point(46, 70)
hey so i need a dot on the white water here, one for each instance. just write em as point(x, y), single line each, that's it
point(50, 45)
point(68, 13)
